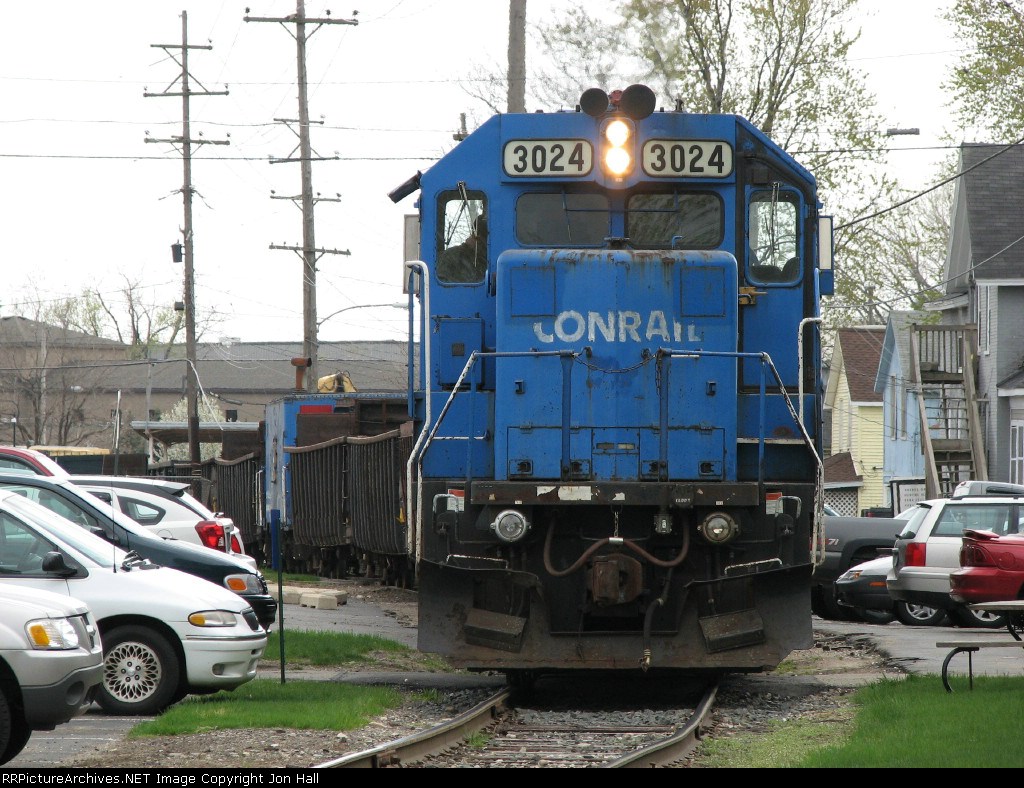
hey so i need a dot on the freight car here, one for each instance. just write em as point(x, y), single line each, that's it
point(333, 485)
point(617, 447)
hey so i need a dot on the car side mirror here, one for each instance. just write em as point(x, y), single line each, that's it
point(95, 530)
point(54, 564)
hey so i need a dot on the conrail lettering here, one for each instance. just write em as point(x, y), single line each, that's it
point(614, 326)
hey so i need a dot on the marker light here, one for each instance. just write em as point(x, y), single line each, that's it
point(618, 156)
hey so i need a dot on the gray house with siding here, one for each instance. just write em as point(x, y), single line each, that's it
point(984, 287)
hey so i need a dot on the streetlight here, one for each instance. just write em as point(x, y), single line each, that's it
point(14, 430)
point(358, 306)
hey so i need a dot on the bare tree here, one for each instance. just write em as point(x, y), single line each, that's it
point(48, 372)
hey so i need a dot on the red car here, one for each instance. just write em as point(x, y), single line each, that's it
point(991, 568)
point(13, 459)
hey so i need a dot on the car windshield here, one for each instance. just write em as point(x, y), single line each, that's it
point(99, 551)
point(957, 517)
point(74, 503)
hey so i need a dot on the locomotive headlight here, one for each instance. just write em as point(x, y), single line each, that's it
point(719, 528)
point(618, 155)
point(510, 526)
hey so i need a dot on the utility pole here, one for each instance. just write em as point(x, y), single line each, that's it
point(308, 251)
point(186, 142)
point(517, 56)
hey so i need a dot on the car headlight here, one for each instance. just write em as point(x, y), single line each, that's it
point(212, 618)
point(850, 574)
point(52, 634)
point(245, 583)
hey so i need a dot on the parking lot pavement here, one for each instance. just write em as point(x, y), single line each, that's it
point(915, 650)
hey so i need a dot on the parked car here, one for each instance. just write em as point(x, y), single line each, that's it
point(928, 548)
point(51, 664)
point(165, 634)
point(848, 541)
point(168, 510)
point(90, 513)
point(862, 589)
point(991, 568)
point(16, 460)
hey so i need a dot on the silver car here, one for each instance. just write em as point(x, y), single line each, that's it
point(928, 549)
point(51, 661)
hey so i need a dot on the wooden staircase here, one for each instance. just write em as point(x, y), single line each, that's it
point(943, 360)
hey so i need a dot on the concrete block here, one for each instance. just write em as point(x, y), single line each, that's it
point(319, 601)
point(292, 596)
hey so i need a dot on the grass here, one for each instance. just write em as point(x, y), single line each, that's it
point(911, 723)
point(320, 649)
point(263, 703)
point(908, 723)
point(303, 705)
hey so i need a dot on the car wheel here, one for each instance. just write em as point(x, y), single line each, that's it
point(874, 616)
point(919, 615)
point(140, 672)
point(965, 617)
point(14, 734)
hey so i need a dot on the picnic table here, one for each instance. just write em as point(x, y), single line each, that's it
point(1013, 608)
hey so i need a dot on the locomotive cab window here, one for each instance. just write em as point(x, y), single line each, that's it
point(675, 220)
point(772, 236)
point(462, 237)
point(562, 219)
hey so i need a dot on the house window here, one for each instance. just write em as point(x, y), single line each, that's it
point(894, 408)
point(984, 309)
point(903, 410)
point(1016, 452)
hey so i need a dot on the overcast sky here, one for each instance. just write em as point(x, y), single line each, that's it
point(85, 198)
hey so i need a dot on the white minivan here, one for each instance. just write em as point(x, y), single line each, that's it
point(165, 633)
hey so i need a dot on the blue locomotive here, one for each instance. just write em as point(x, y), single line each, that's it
point(617, 455)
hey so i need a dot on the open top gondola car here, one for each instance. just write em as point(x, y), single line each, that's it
point(617, 462)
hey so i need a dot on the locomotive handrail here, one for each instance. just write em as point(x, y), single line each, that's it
point(819, 497)
point(423, 443)
point(766, 361)
point(415, 519)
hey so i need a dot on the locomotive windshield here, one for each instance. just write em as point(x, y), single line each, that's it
point(680, 219)
point(562, 219)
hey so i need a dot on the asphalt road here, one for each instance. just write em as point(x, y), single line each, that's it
point(913, 647)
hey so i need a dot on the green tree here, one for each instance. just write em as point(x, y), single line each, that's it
point(987, 78)
point(785, 67)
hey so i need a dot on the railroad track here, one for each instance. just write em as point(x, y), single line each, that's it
point(509, 732)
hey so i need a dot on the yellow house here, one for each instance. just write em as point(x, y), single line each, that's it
point(854, 478)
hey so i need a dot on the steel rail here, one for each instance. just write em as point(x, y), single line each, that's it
point(426, 742)
point(677, 746)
